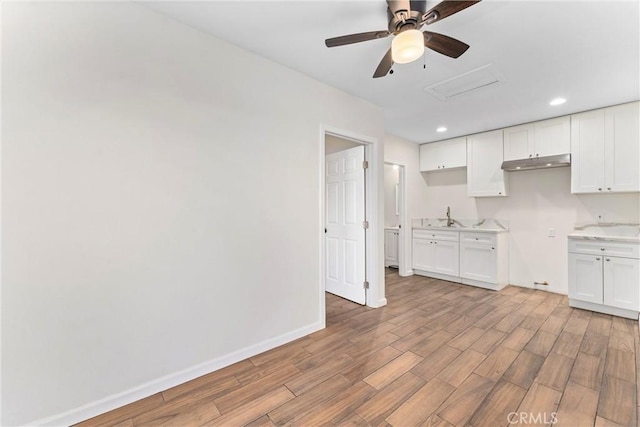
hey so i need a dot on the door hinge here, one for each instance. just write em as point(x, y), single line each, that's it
point(365, 224)
point(366, 285)
point(365, 165)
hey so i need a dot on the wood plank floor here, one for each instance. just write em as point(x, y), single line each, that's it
point(439, 354)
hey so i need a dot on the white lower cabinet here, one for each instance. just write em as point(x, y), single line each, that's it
point(391, 237)
point(436, 252)
point(601, 282)
point(585, 278)
point(445, 256)
point(478, 259)
point(621, 287)
point(478, 262)
point(484, 259)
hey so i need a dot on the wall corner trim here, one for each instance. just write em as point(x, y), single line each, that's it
point(377, 304)
point(114, 401)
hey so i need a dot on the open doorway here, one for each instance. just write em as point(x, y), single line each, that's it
point(394, 216)
point(370, 279)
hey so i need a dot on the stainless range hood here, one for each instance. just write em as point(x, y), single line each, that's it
point(537, 163)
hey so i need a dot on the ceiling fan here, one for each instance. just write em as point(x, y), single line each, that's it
point(405, 20)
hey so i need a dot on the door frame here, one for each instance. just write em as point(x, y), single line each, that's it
point(374, 256)
point(404, 268)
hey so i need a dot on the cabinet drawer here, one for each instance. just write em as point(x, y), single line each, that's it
point(451, 236)
point(621, 249)
point(486, 238)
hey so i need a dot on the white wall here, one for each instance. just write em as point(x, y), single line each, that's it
point(391, 178)
point(160, 204)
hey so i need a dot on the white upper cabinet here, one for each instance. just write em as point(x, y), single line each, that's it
point(539, 139)
point(605, 150)
point(440, 155)
point(622, 147)
point(485, 178)
point(518, 142)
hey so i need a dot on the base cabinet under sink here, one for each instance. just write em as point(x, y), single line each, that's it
point(471, 258)
point(436, 252)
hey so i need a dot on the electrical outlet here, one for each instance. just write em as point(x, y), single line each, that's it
point(600, 217)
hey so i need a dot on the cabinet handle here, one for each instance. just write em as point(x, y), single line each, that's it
point(599, 189)
point(442, 166)
point(530, 155)
point(608, 188)
point(476, 238)
point(597, 258)
point(492, 248)
point(500, 192)
point(602, 249)
point(536, 154)
point(607, 259)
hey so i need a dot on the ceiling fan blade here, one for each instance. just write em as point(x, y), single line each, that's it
point(356, 38)
point(444, 44)
point(396, 6)
point(446, 8)
point(384, 66)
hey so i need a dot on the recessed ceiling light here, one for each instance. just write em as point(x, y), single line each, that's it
point(441, 129)
point(557, 101)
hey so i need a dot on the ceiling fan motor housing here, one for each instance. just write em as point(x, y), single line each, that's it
point(397, 24)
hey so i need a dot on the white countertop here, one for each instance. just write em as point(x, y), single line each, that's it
point(488, 225)
point(615, 232)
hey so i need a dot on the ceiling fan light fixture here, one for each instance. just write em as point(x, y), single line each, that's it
point(407, 46)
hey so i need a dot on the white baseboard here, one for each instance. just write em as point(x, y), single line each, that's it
point(115, 401)
point(600, 308)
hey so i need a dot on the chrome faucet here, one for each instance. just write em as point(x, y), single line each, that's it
point(449, 220)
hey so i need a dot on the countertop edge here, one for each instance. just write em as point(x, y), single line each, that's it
point(605, 238)
point(463, 230)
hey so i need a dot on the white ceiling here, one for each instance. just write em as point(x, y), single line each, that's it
point(585, 51)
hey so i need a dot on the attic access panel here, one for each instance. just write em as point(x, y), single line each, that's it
point(484, 76)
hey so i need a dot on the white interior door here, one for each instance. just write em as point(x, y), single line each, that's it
point(345, 215)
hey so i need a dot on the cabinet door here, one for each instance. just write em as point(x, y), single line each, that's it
point(622, 149)
point(453, 153)
point(485, 178)
point(422, 254)
point(391, 247)
point(587, 152)
point(585, 278)
point(552, 137)
point(429, 157)
point(622, 282)
point(446, 257)
point(478, 262)
point(518, 142)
